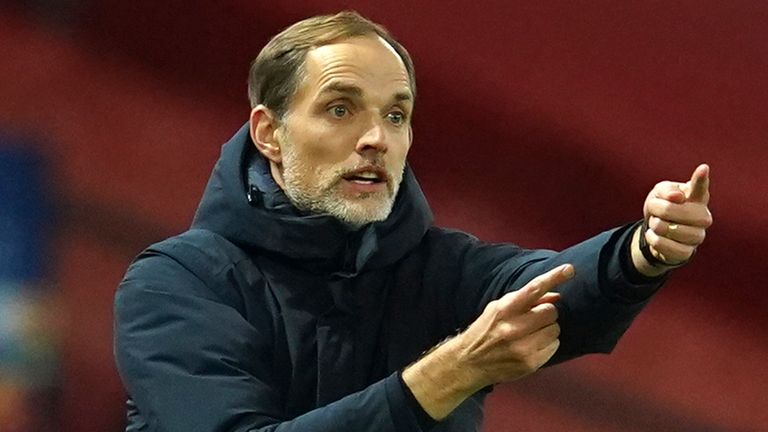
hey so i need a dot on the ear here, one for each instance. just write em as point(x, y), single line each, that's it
point(263, 128)
point(410, 136)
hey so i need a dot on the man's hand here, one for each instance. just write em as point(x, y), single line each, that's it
point(678, 217)
point(513, 337)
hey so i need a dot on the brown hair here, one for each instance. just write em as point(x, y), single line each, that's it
point(275, 73)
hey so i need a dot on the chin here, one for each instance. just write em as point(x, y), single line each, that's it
point(358, 213)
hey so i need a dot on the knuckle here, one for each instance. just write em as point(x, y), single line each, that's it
point(654, 223)
point(544, 308)
point(549, 312)
point(653, 240)
point(506, 330)
point(536, 283)
point(493, 308)
point(665, 208)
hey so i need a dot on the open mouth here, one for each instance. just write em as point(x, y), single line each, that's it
point(366, 176)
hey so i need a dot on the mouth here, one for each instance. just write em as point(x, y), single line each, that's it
point(370, 175)
point(366, 181)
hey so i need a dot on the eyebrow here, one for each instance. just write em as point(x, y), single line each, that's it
point(355, 91)
point(337, 87)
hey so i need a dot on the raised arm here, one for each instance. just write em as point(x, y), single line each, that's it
point(520, 329)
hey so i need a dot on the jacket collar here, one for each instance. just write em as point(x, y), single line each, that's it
point(243, 204)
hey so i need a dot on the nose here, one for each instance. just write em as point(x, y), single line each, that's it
point(373, 138)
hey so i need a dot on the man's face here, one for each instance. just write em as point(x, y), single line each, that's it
point(347, 131)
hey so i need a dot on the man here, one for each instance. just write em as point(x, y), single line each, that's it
point(313, 293)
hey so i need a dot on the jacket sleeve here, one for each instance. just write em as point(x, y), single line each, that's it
point(193, 363)
point(597, 305)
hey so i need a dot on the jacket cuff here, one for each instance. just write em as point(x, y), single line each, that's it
point(631, 285)
point(425, 421)
point(409, 415)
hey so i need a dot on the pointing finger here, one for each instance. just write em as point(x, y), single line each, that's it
point(526, 297)
point(699, 185)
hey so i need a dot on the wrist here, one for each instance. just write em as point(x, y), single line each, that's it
point(440, 381)
point(465, 377)
point(643, 257)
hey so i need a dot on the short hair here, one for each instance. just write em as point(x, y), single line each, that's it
point(276, 72)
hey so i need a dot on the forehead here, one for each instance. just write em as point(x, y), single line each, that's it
point(368, 62)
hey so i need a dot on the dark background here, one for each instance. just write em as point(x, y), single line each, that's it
point(540, 123)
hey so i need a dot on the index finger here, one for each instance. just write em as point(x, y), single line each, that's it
point(528, 296)
point(698, 190)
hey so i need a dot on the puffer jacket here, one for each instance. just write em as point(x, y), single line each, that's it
point(261, 318)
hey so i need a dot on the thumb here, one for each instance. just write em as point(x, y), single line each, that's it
point(698, 186)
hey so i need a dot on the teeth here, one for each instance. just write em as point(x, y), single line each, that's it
point(368, 175)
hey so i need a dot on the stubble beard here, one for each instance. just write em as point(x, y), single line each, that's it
point(325, 195)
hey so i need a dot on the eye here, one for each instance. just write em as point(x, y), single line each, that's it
point(396, 117)
point(338, 111)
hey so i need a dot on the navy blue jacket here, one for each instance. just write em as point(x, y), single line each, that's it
point(260, 318)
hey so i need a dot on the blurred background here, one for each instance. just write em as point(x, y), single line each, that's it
point(539, 123)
